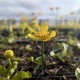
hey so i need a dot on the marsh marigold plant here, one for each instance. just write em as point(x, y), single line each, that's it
point(41, 33)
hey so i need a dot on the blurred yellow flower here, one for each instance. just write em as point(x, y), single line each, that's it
point(34, 23)
point(8, 54)
point(41, 33)
point(24, 18)
point(23, 25)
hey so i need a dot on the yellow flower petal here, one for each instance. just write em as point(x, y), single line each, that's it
point(47, 39)
point(31, 35)
point(32, 30)
point(36, 25)
point(44, 27)
point(52, 34)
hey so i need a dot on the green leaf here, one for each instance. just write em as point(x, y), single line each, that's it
point(22, 75)
point(69, 51)
point(2, 70)
point(60, 56)
point(11, 40)
point(39, 60)
point(77, 73)
point(38, 67)
point(57, 47)
point(3, 78)
point(66, 52)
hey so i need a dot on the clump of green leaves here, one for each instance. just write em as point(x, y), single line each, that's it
point(64, 53)
point(9, 73)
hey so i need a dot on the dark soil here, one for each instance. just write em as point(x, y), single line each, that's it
point(55, 69)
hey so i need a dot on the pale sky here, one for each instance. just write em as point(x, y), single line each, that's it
point(11, 8)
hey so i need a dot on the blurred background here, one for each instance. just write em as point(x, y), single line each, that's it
point(62, 15)
point(48, 10)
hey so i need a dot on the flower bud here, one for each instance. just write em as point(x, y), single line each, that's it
point(8, 54)
point(31, 59)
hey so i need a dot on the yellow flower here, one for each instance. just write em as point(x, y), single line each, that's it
point(34, 23)
point(23, 25)
point(41, 33)
point(8, 54)
point(24, 18)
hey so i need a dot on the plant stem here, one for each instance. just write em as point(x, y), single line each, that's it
point(42, 54)
point(9, 62)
